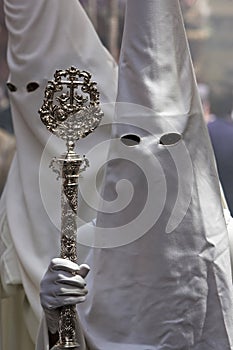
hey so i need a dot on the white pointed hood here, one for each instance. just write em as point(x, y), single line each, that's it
point(165, 281)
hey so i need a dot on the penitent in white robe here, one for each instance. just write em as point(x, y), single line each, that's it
point(44, 35)
point(163, 280)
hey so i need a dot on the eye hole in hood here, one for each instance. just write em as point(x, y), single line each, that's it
point(130, 140)
point(32, 86)
point(170, 139)
point(11, 87)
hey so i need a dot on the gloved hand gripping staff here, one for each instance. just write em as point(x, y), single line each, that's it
point(71, 111)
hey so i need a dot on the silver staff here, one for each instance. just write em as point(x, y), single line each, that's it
point(71, 111)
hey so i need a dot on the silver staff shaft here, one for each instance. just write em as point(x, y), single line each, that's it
point(71, 165)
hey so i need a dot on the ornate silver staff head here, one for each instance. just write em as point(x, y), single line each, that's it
point(71, 111)
point(71, 108)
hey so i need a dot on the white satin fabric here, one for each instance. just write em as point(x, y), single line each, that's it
point(171, 288)
point(44, 35)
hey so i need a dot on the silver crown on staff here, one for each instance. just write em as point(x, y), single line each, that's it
point(71, 108)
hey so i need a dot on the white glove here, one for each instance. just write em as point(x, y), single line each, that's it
point(62, 284)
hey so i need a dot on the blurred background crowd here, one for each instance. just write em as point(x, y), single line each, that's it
point(209, 26)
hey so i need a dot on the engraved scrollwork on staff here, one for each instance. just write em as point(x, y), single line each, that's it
point(71, 111)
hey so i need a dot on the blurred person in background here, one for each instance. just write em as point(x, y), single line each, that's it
point(221, 134)
point(5, 113)
point(204, 92)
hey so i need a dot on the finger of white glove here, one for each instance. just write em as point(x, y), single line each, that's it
point(73, 280)
point(57, 297)
point(73, 292)
point(59, 301)
point(84, 270)
point(69, 266)
point(73, 300)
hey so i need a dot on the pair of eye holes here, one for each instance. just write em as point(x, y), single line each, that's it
point(128, 140)
point(30, 87)
point(168, 139)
